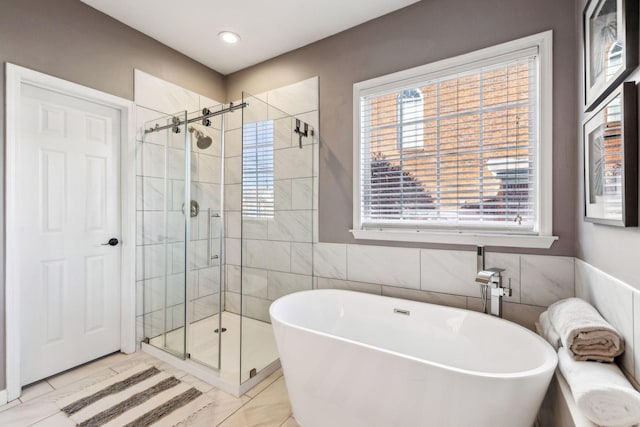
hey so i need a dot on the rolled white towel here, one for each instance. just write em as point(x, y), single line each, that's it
point(583, 331)
point(601, 391)
point(548, 332)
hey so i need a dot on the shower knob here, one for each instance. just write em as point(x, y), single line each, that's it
point(112, 242)
point(194, 208)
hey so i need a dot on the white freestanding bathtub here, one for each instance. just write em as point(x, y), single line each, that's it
point(353, 359)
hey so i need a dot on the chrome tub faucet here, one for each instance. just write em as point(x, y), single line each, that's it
point(491, 280)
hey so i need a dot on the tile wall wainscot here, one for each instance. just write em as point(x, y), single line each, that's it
point(445, 277)
point(155, 98)
point(276, 253)
point(619, 304)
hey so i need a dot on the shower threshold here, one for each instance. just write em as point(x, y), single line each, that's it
point(258, 351)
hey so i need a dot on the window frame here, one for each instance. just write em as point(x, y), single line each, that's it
point(542, 236)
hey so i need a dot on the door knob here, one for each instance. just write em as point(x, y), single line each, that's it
point(112, 242)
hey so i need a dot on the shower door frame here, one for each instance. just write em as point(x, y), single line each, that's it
point(15, 76)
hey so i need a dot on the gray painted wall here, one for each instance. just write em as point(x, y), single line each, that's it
point(611, 249)
point(67, 39)
point(424, 32)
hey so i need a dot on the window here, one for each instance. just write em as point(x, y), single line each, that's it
point(458, 148)
point(257, 170)
point(410, 113)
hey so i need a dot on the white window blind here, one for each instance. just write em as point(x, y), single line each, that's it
point(456, 151)
point(257, 170)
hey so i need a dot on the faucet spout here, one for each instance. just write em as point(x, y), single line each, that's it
point(491, 278)
point(487, 276)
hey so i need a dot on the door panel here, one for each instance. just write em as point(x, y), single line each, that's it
point(96, 193)
point(53, 284)
point(94, 294)
point(53, 167)
point(68, 179)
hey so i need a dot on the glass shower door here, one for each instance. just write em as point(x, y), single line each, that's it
point(206, 238)
point(180, 223)
point(163, 231)
point(277, 224)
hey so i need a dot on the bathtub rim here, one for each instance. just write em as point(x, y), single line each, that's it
point(549, 364)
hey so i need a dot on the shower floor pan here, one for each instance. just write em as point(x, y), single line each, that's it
point(259, 352)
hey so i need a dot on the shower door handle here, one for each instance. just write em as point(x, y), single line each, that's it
point(209, 236)
point(211, 257)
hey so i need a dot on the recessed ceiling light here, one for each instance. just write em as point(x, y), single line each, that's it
point(229, 37)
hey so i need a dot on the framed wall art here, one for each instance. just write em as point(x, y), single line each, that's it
point(611, 160)
point(610, 46)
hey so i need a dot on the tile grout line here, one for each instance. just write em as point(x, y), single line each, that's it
point(46, 418)
point(287, 419)
point(250, 399)
point(268, 385)
point(346, 259)
point(420, 271)
point(234, 412)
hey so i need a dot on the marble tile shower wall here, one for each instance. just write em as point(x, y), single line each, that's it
point(276, 254)
point(445, 277)
point(160, 304)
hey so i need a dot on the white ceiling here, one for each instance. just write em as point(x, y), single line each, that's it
point(267, 28)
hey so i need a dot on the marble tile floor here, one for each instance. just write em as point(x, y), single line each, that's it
point(266, 405)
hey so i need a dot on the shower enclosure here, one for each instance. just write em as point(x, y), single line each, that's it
point(225, 223)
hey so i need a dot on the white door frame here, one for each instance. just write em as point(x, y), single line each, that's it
point(15, 77)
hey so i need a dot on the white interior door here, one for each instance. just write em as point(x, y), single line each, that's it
point(68, 206)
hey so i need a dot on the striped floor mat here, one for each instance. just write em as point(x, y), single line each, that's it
point(139, 397)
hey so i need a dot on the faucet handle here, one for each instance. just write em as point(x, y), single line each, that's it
point(500, 292)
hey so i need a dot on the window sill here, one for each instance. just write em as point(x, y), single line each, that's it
point(475, 239)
